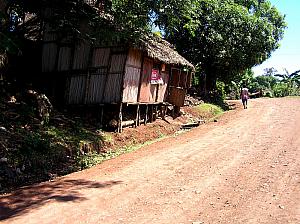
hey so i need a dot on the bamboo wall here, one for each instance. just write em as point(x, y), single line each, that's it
point(50, 48)
point(146, 95)
point(163, 88)
point(132, 76)
point(102, 80)
point(107, 75)
point(113, 84)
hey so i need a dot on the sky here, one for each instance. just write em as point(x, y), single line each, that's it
point(288, 54)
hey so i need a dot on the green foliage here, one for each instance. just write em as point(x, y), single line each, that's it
point(289, 84)
point(227, 37)
point(271, 84)
point(212, 109)
point(233, 88)
point(221, 90)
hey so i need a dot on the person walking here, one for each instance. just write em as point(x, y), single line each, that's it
point(245, 96)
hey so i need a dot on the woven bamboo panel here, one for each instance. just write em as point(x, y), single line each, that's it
point(131, 84)
point(64, 59)
point(162, 88)
point(113, 84)
point(96, 87)
point(145, 90)
point(77, 87)
point(100, 57)
point(81, 55)
point(132, 76)
point(49, 57)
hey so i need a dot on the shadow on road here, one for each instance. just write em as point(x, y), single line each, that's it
point(28, 198)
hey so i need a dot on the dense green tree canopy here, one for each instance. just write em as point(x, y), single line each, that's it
point(226, 37)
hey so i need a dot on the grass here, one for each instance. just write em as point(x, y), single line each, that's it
point(292, 96)
point(209, 111)
point(90, 159)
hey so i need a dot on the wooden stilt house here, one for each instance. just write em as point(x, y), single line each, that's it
point(148, 73)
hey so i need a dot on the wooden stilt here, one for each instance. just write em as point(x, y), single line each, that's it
point(155, 113)
point(151, 113)
point(162, 111)
point(146, 115)
point(120, 118)
point(173, 112)
point(101, 115)
point(176, 111)
point(137, 119)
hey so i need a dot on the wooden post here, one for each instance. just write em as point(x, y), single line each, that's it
point(176, 111)
point(162, 110)
point(101, 115)
point(146, 115)
point(137, 119)
point(141, 77)
point(151, 113)
point(120, 118)
point(155, 113)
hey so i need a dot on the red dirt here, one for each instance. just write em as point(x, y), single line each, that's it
point(242, 169)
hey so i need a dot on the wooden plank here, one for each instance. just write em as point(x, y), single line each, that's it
point(132, 75)
point(175, 77)
point(77, 89)
point(113, 87)
point(131, 84)
point(183, 79)
point(81, 55)
point(176, 96)
point(100, 57)
point(134, 58)
point(64, 59)
point(49, 57)
point(145, 87)
point(97, 84)
point(162, 91)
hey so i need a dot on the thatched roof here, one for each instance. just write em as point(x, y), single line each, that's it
point(160, 49)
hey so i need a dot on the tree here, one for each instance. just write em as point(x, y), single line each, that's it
point(227, 37)
point(291, 82)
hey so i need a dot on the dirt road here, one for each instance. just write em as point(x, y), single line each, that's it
point(245, 168)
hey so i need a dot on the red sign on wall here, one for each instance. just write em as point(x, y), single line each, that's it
point(156, 77)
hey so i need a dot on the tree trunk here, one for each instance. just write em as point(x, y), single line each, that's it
point(211, 86)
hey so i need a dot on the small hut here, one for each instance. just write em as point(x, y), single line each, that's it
point(148, 74)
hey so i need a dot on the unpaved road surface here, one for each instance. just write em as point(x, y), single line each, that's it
point(244, 168)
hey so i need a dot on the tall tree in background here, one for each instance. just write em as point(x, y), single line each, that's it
point(226, 37)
